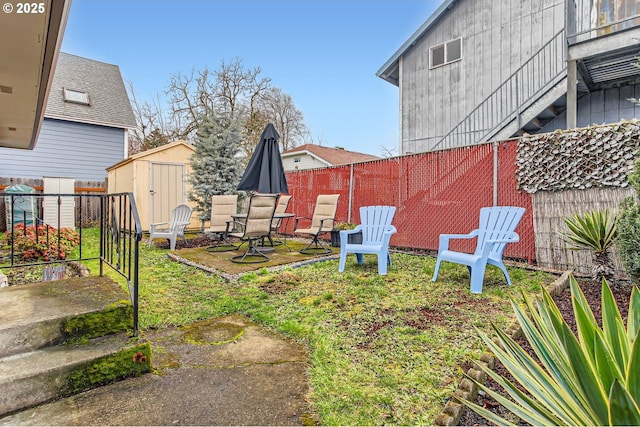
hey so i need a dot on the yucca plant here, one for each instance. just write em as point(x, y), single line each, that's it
point(592, 379)
point(596, 232)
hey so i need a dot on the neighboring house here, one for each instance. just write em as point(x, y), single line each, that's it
point(311, 156)
point(480, 70)
point(85, 127)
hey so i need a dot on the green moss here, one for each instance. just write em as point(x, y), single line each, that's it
point(116, 317)
point(212, 332)
point(308, 419)
point(163, 359)
point(130, 362)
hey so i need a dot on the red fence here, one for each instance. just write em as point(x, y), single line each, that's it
point(436, 192)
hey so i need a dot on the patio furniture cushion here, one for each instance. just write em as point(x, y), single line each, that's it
point(222, 209)
point(321, 222)
point(256, 227)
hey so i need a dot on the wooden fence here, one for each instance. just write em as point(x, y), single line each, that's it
point(87, 212)
point(549, 210)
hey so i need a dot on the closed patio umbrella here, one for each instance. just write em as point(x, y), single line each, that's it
point(265, 173)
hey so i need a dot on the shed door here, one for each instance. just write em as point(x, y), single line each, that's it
point(54, 185)
point(166, 190)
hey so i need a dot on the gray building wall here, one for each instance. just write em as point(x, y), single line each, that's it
point(497, 38)
point(599, 107)
point(67, 149)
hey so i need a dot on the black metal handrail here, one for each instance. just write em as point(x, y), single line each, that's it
point(116, 216)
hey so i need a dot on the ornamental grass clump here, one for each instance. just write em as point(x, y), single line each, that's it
point(589, 379)
point(594, 231)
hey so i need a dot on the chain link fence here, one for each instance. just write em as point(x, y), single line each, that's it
point(434, 192)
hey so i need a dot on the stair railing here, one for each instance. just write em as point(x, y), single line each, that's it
point(116, 216)
point(120, 235)
point(505, 104)
point(588, 20)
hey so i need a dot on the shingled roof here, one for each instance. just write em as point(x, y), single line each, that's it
point(109, 103)
point(332, 156)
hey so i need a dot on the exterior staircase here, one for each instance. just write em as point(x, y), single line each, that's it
point(533, 117)
point(61, 337)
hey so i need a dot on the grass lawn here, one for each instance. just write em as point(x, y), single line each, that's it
point(383, 349)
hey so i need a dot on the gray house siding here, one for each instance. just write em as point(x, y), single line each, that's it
point(497, 38)
point(603, 106)
point(66, 149)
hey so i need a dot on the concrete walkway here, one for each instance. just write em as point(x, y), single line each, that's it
point(226, 371)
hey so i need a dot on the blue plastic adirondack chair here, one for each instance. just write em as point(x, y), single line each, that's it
point(376, 232)
point(496, 229)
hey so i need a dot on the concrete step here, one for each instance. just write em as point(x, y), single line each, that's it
point(46, 374)
point(36, 315)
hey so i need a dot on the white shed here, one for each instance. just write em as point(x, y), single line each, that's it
point(158, 179)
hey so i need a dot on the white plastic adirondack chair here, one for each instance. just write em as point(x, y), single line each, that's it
point(496, 229)
point(180, 218)
point(376, 232)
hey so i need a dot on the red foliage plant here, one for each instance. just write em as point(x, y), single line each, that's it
point(42, 242)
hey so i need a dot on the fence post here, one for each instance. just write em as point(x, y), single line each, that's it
point(350, 193)
point(495, 173)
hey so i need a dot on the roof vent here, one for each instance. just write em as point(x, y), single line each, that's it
point(76, 96)
point(6, 89)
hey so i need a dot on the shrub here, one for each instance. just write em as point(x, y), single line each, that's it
point(594, 231)
point(628, 223)
point(591, 379)
point(344, 226)
point(42, 243)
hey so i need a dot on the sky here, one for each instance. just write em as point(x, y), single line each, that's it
point(322, 53)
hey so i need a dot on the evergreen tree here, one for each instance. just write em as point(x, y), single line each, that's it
point(216, 167)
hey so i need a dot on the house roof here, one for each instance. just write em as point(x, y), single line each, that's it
point(390, 70)
point(109, 103)
point(146, 153)
point(331, 156)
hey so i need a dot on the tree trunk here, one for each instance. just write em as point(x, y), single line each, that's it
point(602, 266)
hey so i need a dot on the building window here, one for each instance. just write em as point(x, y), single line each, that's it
point(76, 96)
point(296, 160)
point(446, 53)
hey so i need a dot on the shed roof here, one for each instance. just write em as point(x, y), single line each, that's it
point(147, 153)
point(109, 102)
point(390, 70)
point(331, 156)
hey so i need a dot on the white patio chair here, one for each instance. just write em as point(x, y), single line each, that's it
point(180, 218)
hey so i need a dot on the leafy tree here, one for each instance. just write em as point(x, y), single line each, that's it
point(154, 126)
point(628, 223)
point(216, 166)
point(278, 107)
point(229, 91)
